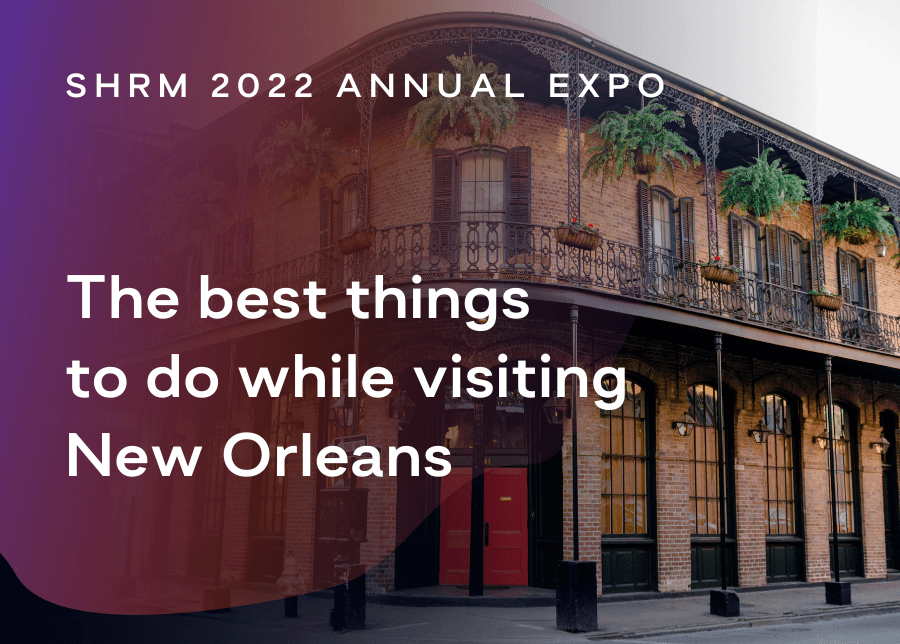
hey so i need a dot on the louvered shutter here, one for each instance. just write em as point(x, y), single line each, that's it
point(645, 216)
point(775, 257)
point(737, 240)
point(871, 288)
point(787, 265)
point(245, 241)
point(443, 202)
point(324, 217)
point(194, 272)
point(519, 211)
point(843, 268)
point(812, 253)
point(688, 240)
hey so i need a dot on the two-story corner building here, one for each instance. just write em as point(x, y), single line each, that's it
point(462, 219)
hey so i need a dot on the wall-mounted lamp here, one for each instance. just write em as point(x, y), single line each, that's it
point(342, 409)
point(557, 409)
point(354, 156)
point(289, 425)
point(881, 445)
point(822, 439)
point(880, 248)
point(701, 186)
point(402, 409)
point(684, 426)
point(761, 432)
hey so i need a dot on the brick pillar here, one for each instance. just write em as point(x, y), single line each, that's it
point(672, 500)
point(589, 492)
point(237, 501)
point(871, 508)
point(750, 482)
point(816, 510)
point(300, 519)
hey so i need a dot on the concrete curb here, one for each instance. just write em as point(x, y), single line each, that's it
point(824, 615)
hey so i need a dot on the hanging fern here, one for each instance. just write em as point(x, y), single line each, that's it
point(763, 189)
point(192, 200)
point(480, 118)
point(856, 221)
point(625, 138)
point(295, 156)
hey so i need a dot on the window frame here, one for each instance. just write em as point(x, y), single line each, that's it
point(347, 182)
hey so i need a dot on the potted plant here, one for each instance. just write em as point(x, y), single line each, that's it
point(763, 189)
point(479, 119)
point(577, 235)
point(856, 221)
point(826, 300)
point(295, 156)
point(640, 141)
point(716, 270)
point(360, 238)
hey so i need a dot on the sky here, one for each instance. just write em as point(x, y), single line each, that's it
point(825, 67)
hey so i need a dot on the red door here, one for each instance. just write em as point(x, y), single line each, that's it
point(506, 527)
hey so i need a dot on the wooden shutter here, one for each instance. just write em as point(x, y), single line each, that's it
point(324, 217)
point(245, 242)
point(645, 216)
point(871, 288)
point(737, 240)
point(843, 269)
point(443, 201)
point(778, 274)
point(812, 253)
point(444, 207)
point(688, 241)
point(519, 212)
point(194, 272)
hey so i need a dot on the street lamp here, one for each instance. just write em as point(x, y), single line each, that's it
point(881, 445)
point(402, 409)
point(556, 409)
point(342, 409)
point(880, 248)
point(684, 425)
point(761, 432)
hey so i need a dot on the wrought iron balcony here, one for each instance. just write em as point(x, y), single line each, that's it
point(531, 253)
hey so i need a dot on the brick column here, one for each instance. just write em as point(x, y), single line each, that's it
point(816, 510)
point(672, 500)
point(237, 501)
point(300, 519)
point(871, 509)
point(750, 481)
point(589, 492)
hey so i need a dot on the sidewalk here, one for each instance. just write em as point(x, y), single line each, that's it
point(622, 619)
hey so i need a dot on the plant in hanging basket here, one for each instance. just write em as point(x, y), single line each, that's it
point(640, 141)
point(826, 300)
point(358, 239)
point(479, 119)
point(192, 200)
point(577, 235)
point(716, 270)
point(295, 156)
point(856, 221)
point(763, 189)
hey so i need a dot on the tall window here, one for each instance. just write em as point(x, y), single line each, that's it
point(843, 470)
point(663, 223)
point(856, 280)
point(778, 414)
point(704, 465)
point(270, 497)
point(624, 465)
point(745, 246)
point(483, 187)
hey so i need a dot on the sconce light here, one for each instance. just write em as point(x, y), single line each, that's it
point(556, 409)
point(822, 439)
point(342, 409)
point(880, 248)
point(354, 156)
point(289, 425)
point(761, 432)
point(701, 186)
point(684, 426)
point(881, 445)
point(402, 409)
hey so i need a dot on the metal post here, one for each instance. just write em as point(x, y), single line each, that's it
point(574, 317)
point(476, 533)
point(229, 412)
point(829, 424)
point(720, 430)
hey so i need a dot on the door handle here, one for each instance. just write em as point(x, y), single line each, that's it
point(487, 536)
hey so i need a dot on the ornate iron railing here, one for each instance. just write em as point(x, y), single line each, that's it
point(530, 253)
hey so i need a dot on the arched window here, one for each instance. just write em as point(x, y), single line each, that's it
point(781, 506)
point(784, 259)
point(704, 466)
point(846, 501)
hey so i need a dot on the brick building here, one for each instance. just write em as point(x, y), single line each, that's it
point(648, 494)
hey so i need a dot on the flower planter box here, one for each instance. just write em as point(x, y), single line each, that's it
point(719, 274)
point(356, 241)
point(646, 163)
point(828, 302)
point(582, 239)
